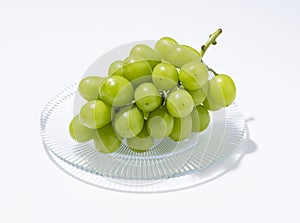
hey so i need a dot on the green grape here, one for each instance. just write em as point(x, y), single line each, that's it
point(89, 87)
point(180, 103)
point(116, 91)
point(164, 45)
point(200, 118)
point(106, 140)
point(146, 52)
point(116, 68)
point(193, 75)
point(181, 54)
point(182, 128)
point(199, 95)
point(192, 49)
point(79, 132)
point(222, 90)
point(129, 122)
point(165, 76)
point(160, 123)
point(142, 142)
point(137, 70)
point(147, 97)
point(210, 104)
point(95, 114)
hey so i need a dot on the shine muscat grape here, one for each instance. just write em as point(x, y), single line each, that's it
point(154, 93)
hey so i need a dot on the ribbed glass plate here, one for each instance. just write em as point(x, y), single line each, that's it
point(126, 170)
point(167, 159)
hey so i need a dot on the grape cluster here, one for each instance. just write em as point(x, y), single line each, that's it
point(151, 94)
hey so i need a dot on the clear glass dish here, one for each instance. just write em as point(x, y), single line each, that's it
point(166, 160)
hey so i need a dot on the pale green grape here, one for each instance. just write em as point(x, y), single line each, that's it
point(199, 95)
point(147, 97)
point(137, 70)
point(192, 49)
point(210, 104)
point(165, 76)
point(95, 114)
point(80, 132)
point(116, 91)
point(181, 54)
point(106, 140)
point(200, 118)
point(193, 75)
point(222, 90)
point(129, 122)
point(116, 68)
point(89, 87)
point(182, 128)
point(164, 45)
point(160, 123)
point(146, 52)
point(142, 142)
point(180, 103)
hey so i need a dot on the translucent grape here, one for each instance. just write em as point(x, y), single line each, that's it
point(164, 45)
point(199, 95)
point(89, 87)
point(95, 114)
point(137, 70)
point(129, 122)
point(210, 104)
point(192, 49)
point(146, 52)
point(147, 97)
point(182, 128)
point(165, 76)
point(142, 142)
point(193, 75)
point(200, 118)
point(222, 90)
point(160, 123)
point(116, 91)
point(180, 103)
point(181, 54)
point(106, 140)
point(80, 132)
point(116, 68)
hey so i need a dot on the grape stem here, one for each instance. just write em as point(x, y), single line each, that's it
point(211, 40)
point(164, 96)
point(212, 70)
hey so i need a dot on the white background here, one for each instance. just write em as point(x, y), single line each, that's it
point(47, 45)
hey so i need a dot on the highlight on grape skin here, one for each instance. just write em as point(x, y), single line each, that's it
point(153, 93)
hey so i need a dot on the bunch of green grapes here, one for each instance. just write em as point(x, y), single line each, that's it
point(151, 94)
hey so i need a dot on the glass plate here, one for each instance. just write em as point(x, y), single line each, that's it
point(129, 171)
point(197, 153)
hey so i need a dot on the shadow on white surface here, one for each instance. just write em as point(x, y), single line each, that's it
point(247, 146)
